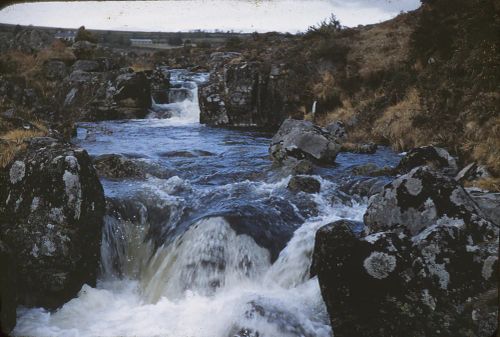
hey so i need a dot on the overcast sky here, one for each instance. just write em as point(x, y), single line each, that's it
point(184, 15)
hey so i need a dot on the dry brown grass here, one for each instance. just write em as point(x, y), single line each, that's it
point(489, 184)
point(396, 126)
point(483, 143)
point(14, 141)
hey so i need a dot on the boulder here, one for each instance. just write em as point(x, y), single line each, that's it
point(84, 49)
point(416, 200)
point(87, 66)
point(304, 184)
point(303, 167)
point(55, 69)
point(337, 130)
point(488, 202)
point(117, 166)
point(298, 139)
point(8, 292)
point(364, 187)
point(426, 264)
point(51, 211)
point(435, 157)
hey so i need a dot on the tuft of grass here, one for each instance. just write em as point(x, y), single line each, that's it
point(14, 141)
point(489, 184)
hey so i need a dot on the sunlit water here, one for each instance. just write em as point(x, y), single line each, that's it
point(214, 245)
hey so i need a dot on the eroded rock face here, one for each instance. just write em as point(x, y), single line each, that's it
point(298, 139)
point(435, 157)
point(117, 94)
point(244, 93)
point(51, 210)
point(425, 265)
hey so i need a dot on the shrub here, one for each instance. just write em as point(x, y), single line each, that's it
point(84, 35)
point(325, 28)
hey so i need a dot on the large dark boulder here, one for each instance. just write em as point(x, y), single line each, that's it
point(298, 139)
point(425, 265)
point(435, 157)
point(51, 211)
point(8, 292)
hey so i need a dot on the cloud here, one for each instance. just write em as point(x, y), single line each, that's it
point(184, 15)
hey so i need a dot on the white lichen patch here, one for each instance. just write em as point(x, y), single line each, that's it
point(379, 265)
point(73, 191)
point(35, 203)
point(17, 171)
point(372, 238)
point(437, 269)
point(428, 300)
point(458, 197)
point(72, 163)
point(413, 186)
point(488, 265)
point(56, 215)
point(34, 250)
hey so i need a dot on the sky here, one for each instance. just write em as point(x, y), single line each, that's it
point(184, 15)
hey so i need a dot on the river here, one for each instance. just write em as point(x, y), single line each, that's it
point(212, 244)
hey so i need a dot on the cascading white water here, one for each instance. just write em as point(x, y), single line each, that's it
point(183, 107)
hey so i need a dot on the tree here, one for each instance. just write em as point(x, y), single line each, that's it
point(84, 35)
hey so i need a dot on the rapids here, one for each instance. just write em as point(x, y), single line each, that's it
point(214, 246)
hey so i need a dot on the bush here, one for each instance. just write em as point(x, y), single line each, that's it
point(325, 28)
point(84, 35)
point(234, 43)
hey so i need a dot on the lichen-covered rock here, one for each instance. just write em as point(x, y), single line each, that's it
point(304, 184)
point(435, 157)
point(298, 139)
point(51, 210)
point(425, 265)
point(415, 201)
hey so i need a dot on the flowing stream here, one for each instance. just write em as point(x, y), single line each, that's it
point(211, 243)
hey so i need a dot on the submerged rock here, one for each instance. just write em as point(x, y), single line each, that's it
point(304, 184)
point(426, 264)
point(51, 209)
point(117, 166)
point(298, 139)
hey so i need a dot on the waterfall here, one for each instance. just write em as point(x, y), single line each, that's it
point(183, 97)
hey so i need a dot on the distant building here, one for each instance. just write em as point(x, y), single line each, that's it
point(66, 35)
point(141, 42)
